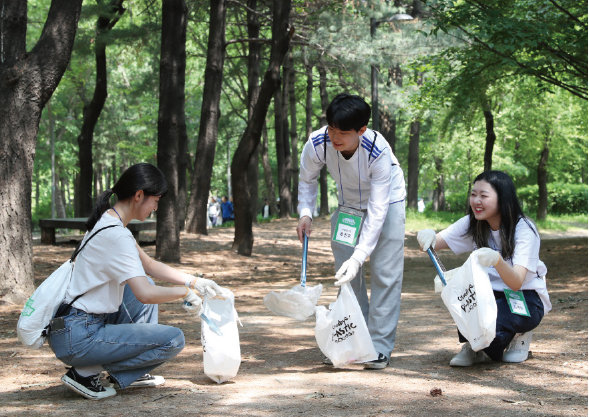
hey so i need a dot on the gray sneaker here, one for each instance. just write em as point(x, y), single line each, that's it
point(380, 363)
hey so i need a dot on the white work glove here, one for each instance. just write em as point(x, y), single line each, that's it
point(347, 271)
point(206, 287)
point(426, 239)
point(192, 303)
point(487, 256)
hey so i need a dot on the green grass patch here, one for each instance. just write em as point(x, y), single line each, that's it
point(440, 220)
point(563, 223)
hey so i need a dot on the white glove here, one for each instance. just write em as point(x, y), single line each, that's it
point(206, 287)
point(487, 256)
point(347, 271)
point(192, 303)
point(426, 239)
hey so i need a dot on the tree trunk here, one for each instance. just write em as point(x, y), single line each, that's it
point(171, 125)
point(542, 181)
point(196, 217)
point(388, 128)
point(308, 100)
point(282, 148)
point(324, 192)
point(248, 143)
point(439, 203)
point(413, 165)
point(183, 162)
point(27, 81)
point(308, 111)
point(84, 196)
point(490, 137)
point(294, 140)
point(268, 177)
point(253, 89)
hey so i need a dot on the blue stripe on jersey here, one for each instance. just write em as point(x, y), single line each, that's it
point(319, 139)
point(367, 144)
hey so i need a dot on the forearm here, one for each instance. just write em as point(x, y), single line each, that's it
point(147, 293)
point(440, 243)
point(513, 277)
point(161, 271)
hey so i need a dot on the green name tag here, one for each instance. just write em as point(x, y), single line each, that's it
point(347, 228)
point(517, 302)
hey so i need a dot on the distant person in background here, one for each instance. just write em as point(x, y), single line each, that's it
point(227, 209)
point(266, 209)
point(213, 211)
point(420, 205)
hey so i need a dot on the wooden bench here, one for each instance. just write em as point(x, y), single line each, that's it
point(48, 227)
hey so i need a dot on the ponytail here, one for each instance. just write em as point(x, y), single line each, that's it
point(102, 204)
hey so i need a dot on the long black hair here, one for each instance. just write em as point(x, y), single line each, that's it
point(509, 209)
point(141, 176)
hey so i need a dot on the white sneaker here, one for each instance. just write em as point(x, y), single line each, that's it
point(148, 380)
point(468, 357)
point(519, 348)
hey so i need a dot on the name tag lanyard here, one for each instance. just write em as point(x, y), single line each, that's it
point(349, 221)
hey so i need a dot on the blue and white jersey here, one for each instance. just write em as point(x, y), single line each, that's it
point(370, 180)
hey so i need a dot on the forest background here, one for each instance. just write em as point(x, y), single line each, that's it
point(222, 96)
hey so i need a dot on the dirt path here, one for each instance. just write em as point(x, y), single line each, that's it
point(281, 371)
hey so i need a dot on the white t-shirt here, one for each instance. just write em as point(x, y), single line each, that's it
point(103, 266)
point(370, 180)
point(526, 253)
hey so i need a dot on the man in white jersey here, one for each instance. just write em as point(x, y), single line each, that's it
point(370, 219)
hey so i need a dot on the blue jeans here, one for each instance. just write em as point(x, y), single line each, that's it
point(128, 344)
point(508, 323)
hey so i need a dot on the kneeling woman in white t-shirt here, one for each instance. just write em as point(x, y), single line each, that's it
point(107, 325)
point(508, 244)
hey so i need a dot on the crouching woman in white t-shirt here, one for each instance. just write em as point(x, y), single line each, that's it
point(508, 244)
point(109, 318)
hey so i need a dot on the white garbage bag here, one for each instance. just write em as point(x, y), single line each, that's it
point(221, 352)
point(469, 298)
point(341, 332)
point(298, 302)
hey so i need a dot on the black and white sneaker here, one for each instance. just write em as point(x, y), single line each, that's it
point(146, 380)
point(88, 387)
point(380, 363)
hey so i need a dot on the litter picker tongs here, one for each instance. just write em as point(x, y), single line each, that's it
point(440, 268)
point(304, 261)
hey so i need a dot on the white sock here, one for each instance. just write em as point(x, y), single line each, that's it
point(85, 371)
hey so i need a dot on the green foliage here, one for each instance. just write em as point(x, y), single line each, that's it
point(438, 221)
point(458, 75)
point(562, 198)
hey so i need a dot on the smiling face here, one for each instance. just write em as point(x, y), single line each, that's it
point(345, 141)
point(484, 203)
